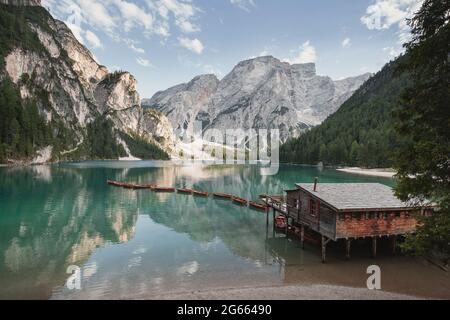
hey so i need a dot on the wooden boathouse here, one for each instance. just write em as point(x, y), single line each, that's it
point(346, 211)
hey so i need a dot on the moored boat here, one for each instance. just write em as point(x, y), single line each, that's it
point(129, 185)
point(184, 191)
point(200, 193)
point(223, 195)
point(114, 183)
point(164, 189)
point(258, 206)
point(142, 186)
point(240, 201)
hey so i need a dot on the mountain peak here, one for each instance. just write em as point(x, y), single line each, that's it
point(260, 93)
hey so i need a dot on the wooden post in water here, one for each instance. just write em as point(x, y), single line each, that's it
point(348, 243)
point(273, 222)
point(302, 236)
point(287, 226)
point(324, 249)
point(374, 247)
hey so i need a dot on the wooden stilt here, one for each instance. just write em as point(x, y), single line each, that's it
point(394, 244)
point(273, 222)
point(287, 226)
point(374, 247)
point(348, 243)
point(302, 236)
point(324, 249)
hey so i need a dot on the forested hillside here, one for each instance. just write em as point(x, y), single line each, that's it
point(361, 132)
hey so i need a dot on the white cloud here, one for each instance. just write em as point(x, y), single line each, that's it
point(384, 14)
point(133, 45)
point(143, 62)
point(346, 43)
point(118, 16)
point(183, 13)
point(93, 40)
point(305, 54)
point(245, 5)
point(133, 16)
point(193, 45)
point(137, 49)
point(392, 51)
point(96, 14)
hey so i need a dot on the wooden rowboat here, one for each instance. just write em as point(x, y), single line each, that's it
point(258, 205)
point(129, 185)
point(114, 183)
point(185, 191)
point(164, 189)
point(240, 201)
point(223, 195)
point(200, 193)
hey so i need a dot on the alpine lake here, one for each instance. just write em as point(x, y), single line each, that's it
point(139, 244)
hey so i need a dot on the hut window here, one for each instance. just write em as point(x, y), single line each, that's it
point(312, 207)
point(373, 215)
point(341, 216)
point(385, 216)
point(397, 214)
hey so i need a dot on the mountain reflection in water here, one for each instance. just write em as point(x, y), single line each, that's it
point(138, 244)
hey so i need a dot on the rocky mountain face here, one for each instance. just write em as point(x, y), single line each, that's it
point(259, 93)
point(73, 91)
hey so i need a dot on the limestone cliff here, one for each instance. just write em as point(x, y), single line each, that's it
point(72, 90)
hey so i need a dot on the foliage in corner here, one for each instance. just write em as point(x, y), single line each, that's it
point(423, 117)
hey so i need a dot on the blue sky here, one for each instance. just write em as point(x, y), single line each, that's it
point(167, 42)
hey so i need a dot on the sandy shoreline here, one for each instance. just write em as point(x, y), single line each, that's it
point(291, 292)
point(386, 173)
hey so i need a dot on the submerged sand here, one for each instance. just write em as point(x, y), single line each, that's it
point(292, 292)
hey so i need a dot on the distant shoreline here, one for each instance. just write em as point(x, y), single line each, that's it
point(386, 173)
point(380, 172)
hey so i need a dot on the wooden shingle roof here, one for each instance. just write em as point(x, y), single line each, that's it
point(353, 196)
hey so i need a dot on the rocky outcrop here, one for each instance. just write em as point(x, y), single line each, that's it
point(157, 128)
point(69, 85)
point(183, 103)
point(260, 93)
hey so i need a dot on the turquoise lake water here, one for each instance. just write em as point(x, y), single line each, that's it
point(139, 244)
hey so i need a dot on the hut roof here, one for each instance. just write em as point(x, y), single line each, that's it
point(352, 196)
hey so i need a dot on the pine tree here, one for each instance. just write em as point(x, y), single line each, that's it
point(423, 118)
